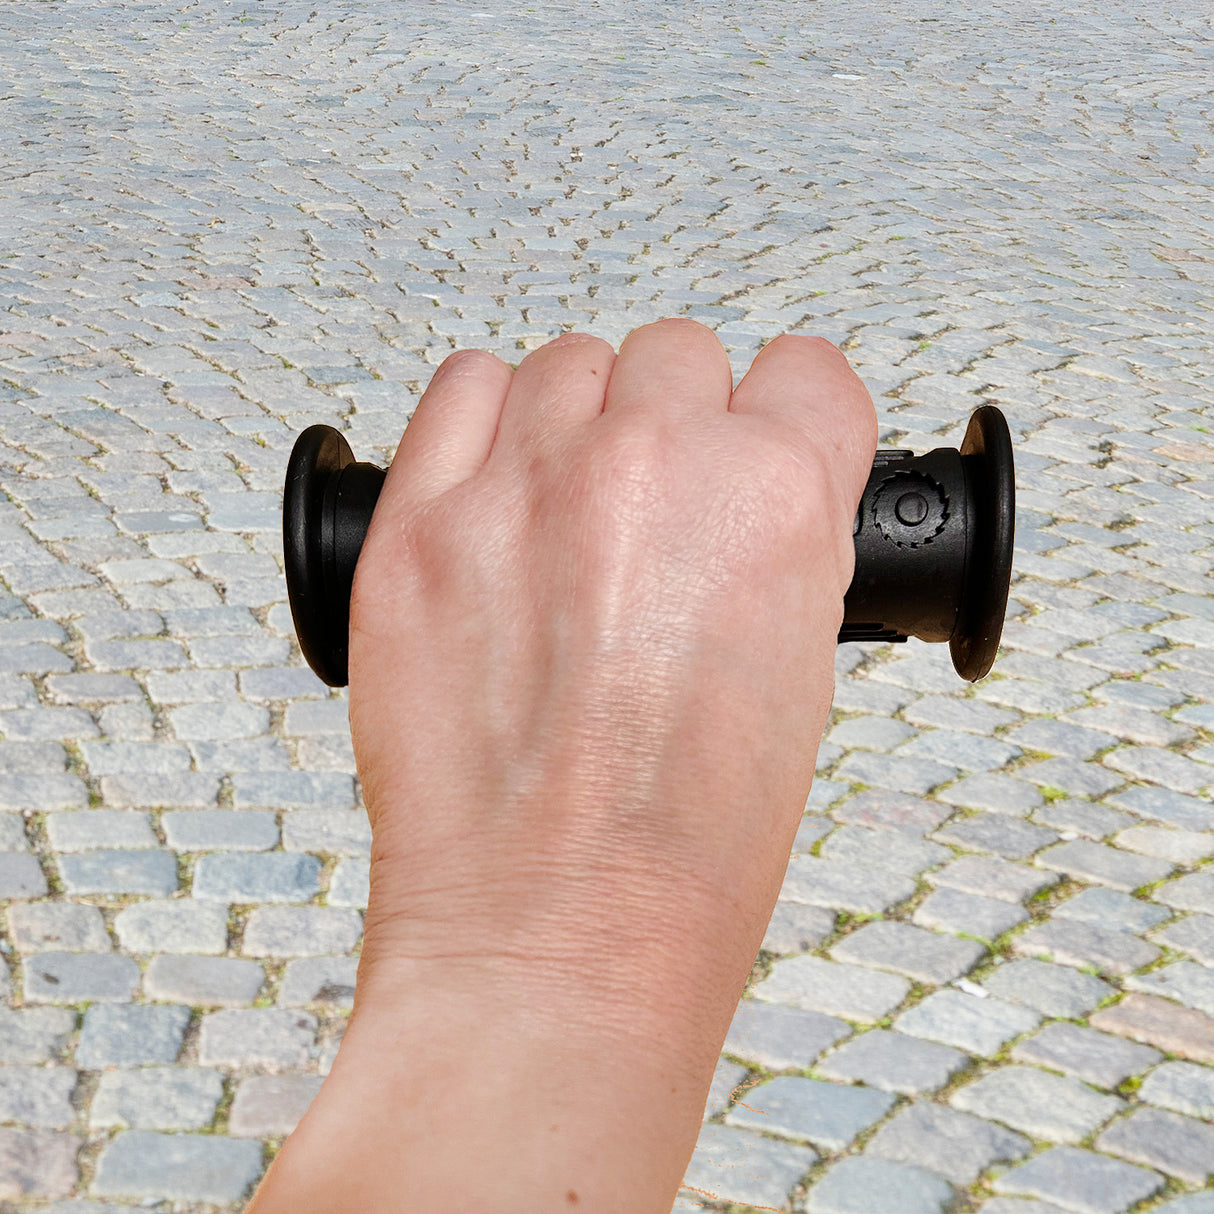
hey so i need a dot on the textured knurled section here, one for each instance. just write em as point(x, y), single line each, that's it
point(885, 507)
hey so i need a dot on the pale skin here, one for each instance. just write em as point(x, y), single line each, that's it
point(592, 657)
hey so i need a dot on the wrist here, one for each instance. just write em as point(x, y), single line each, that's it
point(461, 1080)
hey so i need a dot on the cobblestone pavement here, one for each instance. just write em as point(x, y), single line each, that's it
point(989, 983)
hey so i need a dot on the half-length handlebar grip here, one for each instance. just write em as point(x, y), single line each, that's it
point(933, 536)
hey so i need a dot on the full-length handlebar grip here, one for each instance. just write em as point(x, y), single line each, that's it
point(933, 536)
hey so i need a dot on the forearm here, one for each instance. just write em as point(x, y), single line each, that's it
point(444, 1101)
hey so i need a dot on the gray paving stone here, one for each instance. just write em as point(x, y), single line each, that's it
point(274, 1038)
point(990, 876)
point(1179, 1146)
point(293, 790)
point(1108, 908)
point(203, 981)
point(948, 1143)
point(335, 832)
point(135, 1035)
point(976, 1025)
point(1080, 1181)
point(1081, 818)
point(1164, 805)
point(996, 792)
point(885, 809)
point(1085, 946)
point(847, 991)
point(256, 877)
point(1094, 1057)
point(920, 955)
point(38, 926)
point(893, 1062)
point(79, 978)
point(34, 1034)
point(828, 1115)
point(839, 885)
point(39, 1096)
point(351, 885)
point(173, 926)
point(793, 927)
point(951, 910)
point(271, 1105)
point(1193, 935)
point(1038, 1103)
point(37, 1163)
point(1185, 981)
point(89, 829)
point(178, 1167)
point(327, 980)
point(735, 1165)
point(56, 790)
point(300, 931)
point(1191, 1203)
point(192, 830)
point(1052, 990)
point(156, 1098)
point(21, 876)
point(1182, 847)
point(781, 1038)
point(152, 791)
point(1194, 892)
point(726, 1077)
point(859, 1184)
point(1001, 834)
point(119, 872)
point(1094, 862)
point(1183, 1087)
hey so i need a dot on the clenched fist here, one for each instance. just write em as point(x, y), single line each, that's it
point(592, 639)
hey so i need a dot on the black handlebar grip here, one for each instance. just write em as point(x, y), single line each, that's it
point(933, 536)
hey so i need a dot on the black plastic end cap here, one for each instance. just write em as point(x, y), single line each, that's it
point(992, 482)
point(321, 624)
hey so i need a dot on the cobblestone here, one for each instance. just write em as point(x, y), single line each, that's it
point(1158, 1022)
point(1049, 989)
point(1096, 1058)
point(152, 699)
point(264, 1037)
point(893, 1063)
point(1038, 1103)
point(135, 1035)
point(847, 991)
point(1182, 1087)
point(1086, 946)
point(37, 1163)
point(922, 956)
point(50, 926)
point(1081, 1181)
point(179, 1167)
point(781, 1038)
point(57, 977)
point(950, 1144)
point(956, 1018)
point(736, 1165)
point(271, 1105)
point(156, 1098)
point(828, 1115)
point(1179, 1146)
point(858, 1184)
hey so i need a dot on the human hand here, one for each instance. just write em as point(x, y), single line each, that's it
point(593, 628)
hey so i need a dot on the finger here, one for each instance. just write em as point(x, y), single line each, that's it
point(673, 366)
point(452, 430)
point(555, 387)
point(807, 383)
